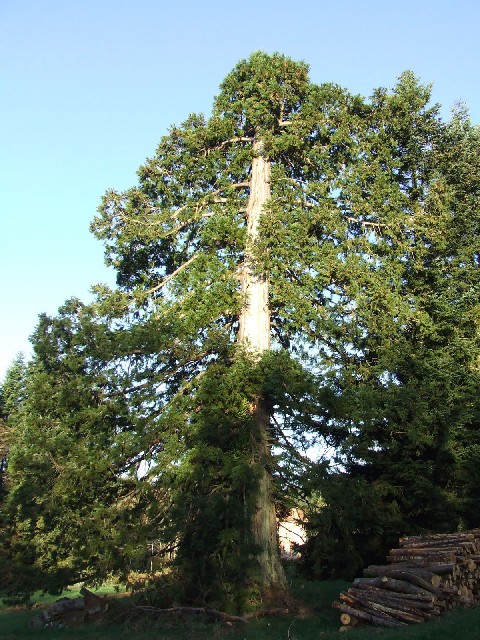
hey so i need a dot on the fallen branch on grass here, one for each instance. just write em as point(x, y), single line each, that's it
point(214, 613)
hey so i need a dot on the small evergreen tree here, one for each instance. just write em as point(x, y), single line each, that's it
point(74, 507)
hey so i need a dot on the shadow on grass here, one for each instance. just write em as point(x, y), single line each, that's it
point(317, 621)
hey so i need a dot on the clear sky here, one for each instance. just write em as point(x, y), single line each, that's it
point(88, 87)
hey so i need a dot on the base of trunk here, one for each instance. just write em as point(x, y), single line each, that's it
point(271, 573)
point(264, 522)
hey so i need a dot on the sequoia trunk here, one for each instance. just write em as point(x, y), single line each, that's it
point(254, 330)
point(254, 334)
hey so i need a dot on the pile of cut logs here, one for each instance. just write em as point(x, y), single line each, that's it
point(426, 576)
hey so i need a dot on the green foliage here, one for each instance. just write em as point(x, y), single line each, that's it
point(178, 243)
point(347, 530)
point(135, 420)
point(73, 509)
point(409, 369)
point(215, 488)
point(12, 399)
point(13, 387)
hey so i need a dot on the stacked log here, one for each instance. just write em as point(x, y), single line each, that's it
point(425, 576)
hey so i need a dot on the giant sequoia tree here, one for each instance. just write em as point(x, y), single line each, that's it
point(275, 269)
point(224, 250)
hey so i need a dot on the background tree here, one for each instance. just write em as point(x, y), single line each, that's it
point(12, 403)
point(75, 509)
point(408, 384)
point(12, 400)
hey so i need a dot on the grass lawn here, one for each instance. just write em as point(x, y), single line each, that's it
point(322, 625)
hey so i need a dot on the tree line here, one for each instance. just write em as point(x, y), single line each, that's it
point(295, 323)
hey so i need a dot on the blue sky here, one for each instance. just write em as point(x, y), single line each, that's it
point(89, 86)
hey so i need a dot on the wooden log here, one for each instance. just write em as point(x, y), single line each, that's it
point(427, 552)
point(347, 620)
point(391, 584)
point(442, 568)
point(468, 542)
point(62, 606)
point(436, 538)
point(425, 576)
point(440, 558)
point(373, 605)
point(427, 598)
point(438, 568)
point(384, 569)
point(402, 614)
point(451, 592)
point(399, 600)
point(465, 591)
point(379, 620)
point(373, 571)
point(402, 586)
point(407, 576)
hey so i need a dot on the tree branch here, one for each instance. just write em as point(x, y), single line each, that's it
point(290, 448)
point(365, 223)
point(230, 141)
point(226, 617)
point(172, 275)
point(174, 214)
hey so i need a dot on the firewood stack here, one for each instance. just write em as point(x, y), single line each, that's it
point(426, 576)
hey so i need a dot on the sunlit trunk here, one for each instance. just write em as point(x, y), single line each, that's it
point(254, 333)
point(254, 329)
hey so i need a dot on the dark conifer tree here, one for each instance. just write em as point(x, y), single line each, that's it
point(408, 385)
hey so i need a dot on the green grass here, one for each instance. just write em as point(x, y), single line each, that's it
point(322, 625)
point(40, 599)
